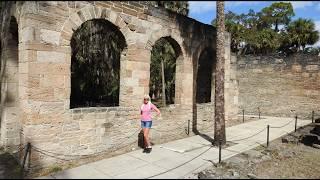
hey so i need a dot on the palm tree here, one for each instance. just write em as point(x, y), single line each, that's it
point(302, 32)
point(219, 125)
point(163, 63)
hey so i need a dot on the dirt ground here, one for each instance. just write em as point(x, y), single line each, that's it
point(9, 168)
point(279, 160)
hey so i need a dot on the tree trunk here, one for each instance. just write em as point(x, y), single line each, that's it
point(163, 84)
point(219, 128)
point(276, 26)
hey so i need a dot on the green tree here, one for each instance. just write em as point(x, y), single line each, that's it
point(163, 52)
point(252, 32)
point(278, 13)
point(181, 7)
point(96, 48)
point(268, 41)
point(302, 32)
point(234, 24)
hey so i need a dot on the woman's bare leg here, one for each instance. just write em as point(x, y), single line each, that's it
point(146, 137)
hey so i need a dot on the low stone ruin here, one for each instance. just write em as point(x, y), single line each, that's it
point(308, 135)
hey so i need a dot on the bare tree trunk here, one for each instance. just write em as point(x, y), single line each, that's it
point(163, 84)
point(219, 129)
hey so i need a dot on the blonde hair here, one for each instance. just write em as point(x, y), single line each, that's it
point(146, 96)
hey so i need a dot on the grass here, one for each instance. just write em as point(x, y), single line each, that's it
point(55, 169)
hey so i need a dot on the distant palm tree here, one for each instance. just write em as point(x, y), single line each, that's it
point(219, 125)
point(302, 32)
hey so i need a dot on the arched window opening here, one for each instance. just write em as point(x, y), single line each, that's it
point(164, 55)
point(95, 68)
point(205, 77)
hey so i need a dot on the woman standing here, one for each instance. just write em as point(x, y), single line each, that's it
point(146, 120)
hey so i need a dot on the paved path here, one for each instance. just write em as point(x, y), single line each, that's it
point(182, 158)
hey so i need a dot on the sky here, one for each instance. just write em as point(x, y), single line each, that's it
point(205, 11)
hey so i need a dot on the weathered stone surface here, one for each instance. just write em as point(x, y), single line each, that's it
point(49, 36)
point(28, 34)
point(279, 88)
point(290, 139)
point(51, 56)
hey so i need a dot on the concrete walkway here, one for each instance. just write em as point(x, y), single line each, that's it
point(181, 158)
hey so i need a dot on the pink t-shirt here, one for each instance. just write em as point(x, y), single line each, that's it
point(146, 110)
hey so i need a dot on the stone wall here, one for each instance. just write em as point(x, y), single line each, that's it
point(280, 86)
point(48, 123)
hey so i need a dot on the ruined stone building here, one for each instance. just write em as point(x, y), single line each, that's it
point(36, 85)
point(37, 80)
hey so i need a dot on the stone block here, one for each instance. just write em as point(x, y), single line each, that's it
point(76, 19)
point(139, 55)
point(27, 34)
point(49, 36)
point(92, 12)
point(49, 80)
point(130, 11)
point(71, 126)
point(97, 11)
point(86, 13)
point(51, 56)
point(44, 47)
point(61, 93)
point(41, 94)
point(296, 68)
point(314, 67)
point(103, 4)
point(27, 56)
point(305, 74)
point(49, 68)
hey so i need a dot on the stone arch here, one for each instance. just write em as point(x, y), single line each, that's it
point(76, 19)
point(176, 41)
point(199, 48)
point(74, 22)
point(196, 56)
point(205, 76)
point(174, 34)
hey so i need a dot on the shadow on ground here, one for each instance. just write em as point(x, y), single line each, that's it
point(9, 167)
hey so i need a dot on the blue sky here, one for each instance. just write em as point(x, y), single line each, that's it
point(205, 11)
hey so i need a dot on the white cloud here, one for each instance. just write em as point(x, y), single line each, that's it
point(199, 7)
point(317, 23)
point(301, 4)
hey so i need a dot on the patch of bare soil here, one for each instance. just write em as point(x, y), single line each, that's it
point(282, 159)
point(9, 167)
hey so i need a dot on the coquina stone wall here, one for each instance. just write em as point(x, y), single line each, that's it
point(280, 86)
point(46, 121)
